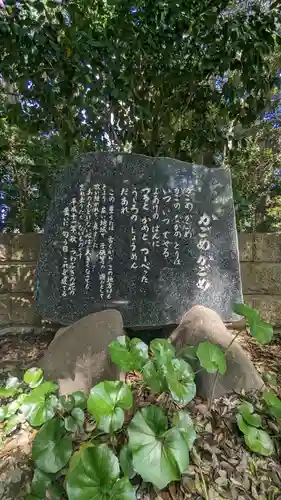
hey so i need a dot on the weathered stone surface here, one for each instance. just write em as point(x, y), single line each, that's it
point(147, 236)
point(200, 324)
point(268, 306)
point(77, 358)
point(5, 309)
point(23, 309)
point(267, 247)
point(245, 243)
point(261, 277)
point(5, 247)
point(17, 278)
point(25, 247)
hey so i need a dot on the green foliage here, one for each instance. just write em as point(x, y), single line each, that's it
point(107, 402)
point(151, 442)
point(259, 441)
point(52, 448)
point(246, 410)
point(273, 403)
point(160, 454)
point(33, 377)
point(39, 405)
point(163, 93)
point(250, 425)
point(211, 358)
point(126, 462)
point(128, 354)
point(262, 331)
point(180, 381)
point(96, 477)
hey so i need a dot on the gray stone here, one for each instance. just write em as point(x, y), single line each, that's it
point(246, 247)
point(261, 277)
point(147, 236)
point(201, 324)
point(78, 358)
point(267, 247)
point(269, 307)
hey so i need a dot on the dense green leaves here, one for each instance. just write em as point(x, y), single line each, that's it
point(96, 477)
point(75, 420)
point(128, 354)
point(33, 377)
point(211, 358)
point(273, 403)
point(249, 424)
point(107, 402)
point(52, 449)
point(126, 461)
point(162, 350)
point(154, 377)
point(262, 331)
point(183, 422)
point(208, 73)
point(248, 414)
point(40, 405)
point(160, 455)
point(11, 388)
point(259, 441)
point(180, 380)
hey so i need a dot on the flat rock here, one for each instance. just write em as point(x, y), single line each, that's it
point(78, 358)
point(201, 324)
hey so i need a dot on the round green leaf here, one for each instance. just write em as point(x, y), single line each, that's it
point(159, 455)
point(273, 403)
point(123, 490)
point(107, 401)
point(242, 424)
point(246, 311)
point(162, 350)
point(211, 357)
point(180, 380)
point(33, 377)
point(74, 421)
point(12, 382)
point(126, 462)
point(80, 400)
point(11, 424)
point(11, 388)
point(259, 442)
point(40, 483)
point(38, 406)
point(153, 377)
point(78, 416)
point(247, 412)
point(3, 413)
point(66, 403)
point(94, 475)
point(70, 424)
point(12, 408)
point(183, 422)
point(51, 448)
point(128, 354)
point(262, 331)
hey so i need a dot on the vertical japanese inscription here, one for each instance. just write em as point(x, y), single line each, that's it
point(160, 222)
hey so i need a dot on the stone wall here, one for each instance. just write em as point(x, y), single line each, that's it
point(260, 257)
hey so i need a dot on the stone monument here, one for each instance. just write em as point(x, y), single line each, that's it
point(149, 237)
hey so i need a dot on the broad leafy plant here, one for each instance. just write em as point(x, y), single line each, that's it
point(90, 448)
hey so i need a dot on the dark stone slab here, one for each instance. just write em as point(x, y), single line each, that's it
point(147, 236)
